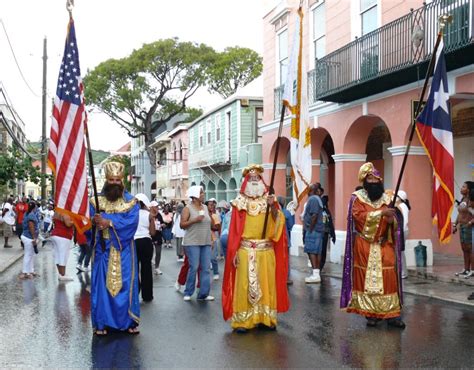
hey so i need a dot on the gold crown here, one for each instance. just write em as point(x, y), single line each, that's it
point(115, 169)
point(253, 168)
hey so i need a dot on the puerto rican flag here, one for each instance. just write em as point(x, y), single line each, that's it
point(435, 131)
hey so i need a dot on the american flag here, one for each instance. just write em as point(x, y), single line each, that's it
point(435, 131)
point(67, 153)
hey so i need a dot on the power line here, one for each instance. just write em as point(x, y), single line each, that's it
point(16, 60)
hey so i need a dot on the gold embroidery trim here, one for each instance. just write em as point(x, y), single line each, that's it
point(254, 311)
point(364, 198)
point(251, 205)
point(114, 271)
point(377, 304)
point(254, 291)
point(373, 275)
point(118, 206)
point(371, 225)
point(364, 268)
point(256, 243)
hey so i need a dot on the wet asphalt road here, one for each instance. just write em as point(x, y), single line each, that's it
point(44, 323)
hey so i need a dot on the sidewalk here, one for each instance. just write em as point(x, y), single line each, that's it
point(8, 256)
point(436, 282)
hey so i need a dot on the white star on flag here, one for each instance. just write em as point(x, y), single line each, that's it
point(441, 98)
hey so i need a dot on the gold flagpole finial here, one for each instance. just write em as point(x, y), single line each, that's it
point(444, 20)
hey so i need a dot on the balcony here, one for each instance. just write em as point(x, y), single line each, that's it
point(390, 56)
point(393, 55)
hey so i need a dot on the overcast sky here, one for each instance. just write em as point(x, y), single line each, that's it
point(112, 29)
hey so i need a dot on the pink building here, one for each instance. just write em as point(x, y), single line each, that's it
point(366, 64)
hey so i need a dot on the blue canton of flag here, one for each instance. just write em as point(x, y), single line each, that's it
point(70, 73)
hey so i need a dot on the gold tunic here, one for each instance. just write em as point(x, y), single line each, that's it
point(255, 300)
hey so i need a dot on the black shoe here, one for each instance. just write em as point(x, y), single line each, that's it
point(398, 323)
point(7, 246)
point(372, 322)
point(240, 330)
point(265, 327)
point(471, 297)
point(35, 248)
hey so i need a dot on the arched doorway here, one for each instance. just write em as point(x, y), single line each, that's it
point(221, 191)
point(211, 190)
point(232, 194)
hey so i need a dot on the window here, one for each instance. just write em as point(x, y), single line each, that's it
point(208, 131)
point(258, 123)
point(319, 30)
point(218, 127)
point(368, 14)
point(283, 56)
point(201, 136)
point(174, 151)
point(180, 146)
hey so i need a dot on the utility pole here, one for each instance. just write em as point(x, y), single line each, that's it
point(43, 136)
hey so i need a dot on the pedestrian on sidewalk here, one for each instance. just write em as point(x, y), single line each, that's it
point(471, 223)
point(329, 231)
point(371, 284)
point(403, 210)
point(145, 231)
point(8, 216)
point(114, 289)
point(61, 239)
point(157, 239)
point(465, 234)
point(196, 221)
point(256, 268)
point(21, 208)
point(29, 237)
point(178, 232)
point(314, 229)
point(167, 226)
point(215, 236)
point(86, 251)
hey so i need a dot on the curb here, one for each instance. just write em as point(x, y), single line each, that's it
point(444, 279)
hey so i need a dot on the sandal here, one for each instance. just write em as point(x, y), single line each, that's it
point(133, 331)
point(100, 333)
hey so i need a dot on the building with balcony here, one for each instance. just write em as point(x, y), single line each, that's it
point(12, 131)
point(223, 141)
point(367, 60)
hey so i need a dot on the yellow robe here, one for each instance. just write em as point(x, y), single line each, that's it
point(255, 300)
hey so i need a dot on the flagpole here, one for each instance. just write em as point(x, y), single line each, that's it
point(275, 159)
point(443, 20)
point(94, 184)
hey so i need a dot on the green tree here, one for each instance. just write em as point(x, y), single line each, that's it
point(15, 165)
point(145, 90)
point(235, 67)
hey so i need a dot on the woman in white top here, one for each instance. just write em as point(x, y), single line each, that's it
point(145, 230)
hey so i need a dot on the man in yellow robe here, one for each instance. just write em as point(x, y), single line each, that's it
point(372, 265)
point(254, 287)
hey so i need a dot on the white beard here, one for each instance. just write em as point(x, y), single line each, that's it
point(255, 189)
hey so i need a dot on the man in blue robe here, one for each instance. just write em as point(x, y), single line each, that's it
point(114, 290)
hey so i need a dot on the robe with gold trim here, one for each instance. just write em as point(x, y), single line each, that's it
point(372, 269)
point(114, 286)
point(256, 290)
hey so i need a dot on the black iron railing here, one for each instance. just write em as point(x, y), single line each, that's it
point(404, 42)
